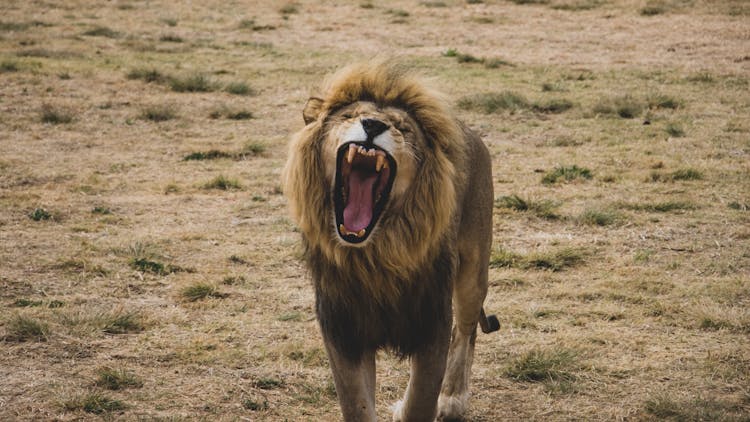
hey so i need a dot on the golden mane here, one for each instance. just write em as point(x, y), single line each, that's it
point(407, 236)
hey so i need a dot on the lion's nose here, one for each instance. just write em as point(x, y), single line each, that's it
point(373, 127)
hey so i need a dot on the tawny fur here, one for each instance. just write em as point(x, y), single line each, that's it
point(429, 247)
point(408, 237)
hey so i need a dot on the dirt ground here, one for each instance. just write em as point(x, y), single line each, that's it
point(149, 269)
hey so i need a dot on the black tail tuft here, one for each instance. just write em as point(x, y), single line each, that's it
point(493, 324)
point(488, 323)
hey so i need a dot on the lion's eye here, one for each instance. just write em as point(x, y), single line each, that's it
point(347, 115)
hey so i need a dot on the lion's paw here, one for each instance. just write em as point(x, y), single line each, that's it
point(452, 408)
point(398, 411)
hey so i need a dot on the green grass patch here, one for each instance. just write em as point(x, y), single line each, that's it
point(192, 83)
point(624, 106)
point(653, 8)
point(675, 130)
point(552, 106)
point(8, 67)
point(27, 303)
point(290, 316)
point(22, 328)
point(123, 323)
point(543, 209)
point(596, 217)
point(701, 77)
point(200, 291)
point(159, 112)
point(239, 115)
point(399, 13)
point(48, 54)
point(234, 280)
point(681, 174)
point(665, 407)
point(255, 406)
point(232, 114)
point(55, 115)
point(147, 75)
point(236, 259)
point(496, 62)
point(530, 1)
point(554, 260)
point(116, 379)
point(666, 206)
point(222, 182)
point(253, 148)
point(208, 155)
point(146, 265)
point(494, 102)
point(566, 174)
point(289, 9)
point(40, 214)
point(738, 206)
point(268, 383)
point(102, 31)
point(239, 88)
point(468, 58)
point(171, 38)
point(101, 210)
point(577, 5)
point(250, 24)
point(714, 324)
point(539, 365)
point(490, 63)
point(95, 403)
point(686, 174)
point(502, 258)
point(662, 101)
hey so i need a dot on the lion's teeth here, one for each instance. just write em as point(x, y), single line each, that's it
point(361, 233)
point(379, 163)
point(342, 229)
point(350, 153)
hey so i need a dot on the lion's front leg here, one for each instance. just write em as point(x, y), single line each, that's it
point(355, 385)
point(427, 369)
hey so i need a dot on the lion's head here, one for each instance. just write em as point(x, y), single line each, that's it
point(370, 178)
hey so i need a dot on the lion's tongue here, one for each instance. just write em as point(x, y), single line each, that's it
point(358, 211)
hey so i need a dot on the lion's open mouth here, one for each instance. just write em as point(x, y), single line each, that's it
point(364, 177)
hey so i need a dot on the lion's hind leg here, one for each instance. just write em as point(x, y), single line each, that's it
point(469, 292)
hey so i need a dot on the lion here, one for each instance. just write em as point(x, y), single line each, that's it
point(393, 197)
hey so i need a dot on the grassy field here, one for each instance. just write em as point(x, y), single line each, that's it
point(149, 269)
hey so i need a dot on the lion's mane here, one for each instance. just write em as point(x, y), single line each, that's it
point(410, 244)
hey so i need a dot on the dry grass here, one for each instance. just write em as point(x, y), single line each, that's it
point(140, 284)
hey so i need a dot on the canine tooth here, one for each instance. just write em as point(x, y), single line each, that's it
point(342, 229)
point(379, 163)
point(350, 153)
point(361, 233)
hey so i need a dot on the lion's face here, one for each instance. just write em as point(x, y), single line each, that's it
point(370, 158)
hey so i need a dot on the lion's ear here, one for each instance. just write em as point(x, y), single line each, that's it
point(312, 109)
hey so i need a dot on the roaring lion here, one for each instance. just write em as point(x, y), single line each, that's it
point(393, 196)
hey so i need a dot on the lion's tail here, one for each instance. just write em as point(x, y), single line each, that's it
point(488, 323)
